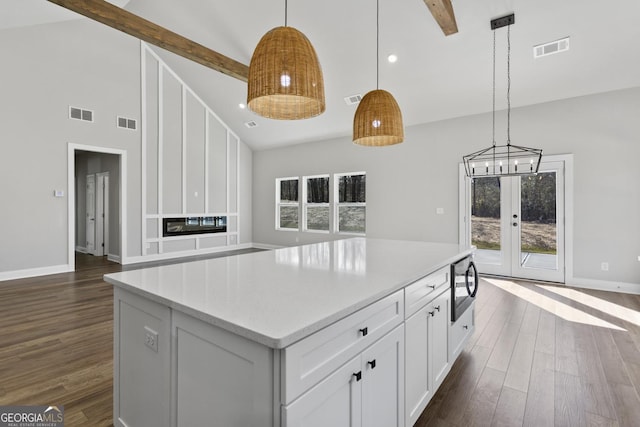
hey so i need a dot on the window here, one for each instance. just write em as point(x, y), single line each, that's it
point(287, 204)
point(317, 210)
point(350, 202)
point(324, 205)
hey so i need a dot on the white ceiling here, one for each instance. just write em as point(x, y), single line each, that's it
point(435, 78)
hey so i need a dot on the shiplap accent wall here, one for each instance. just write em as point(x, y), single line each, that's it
point(190, 163)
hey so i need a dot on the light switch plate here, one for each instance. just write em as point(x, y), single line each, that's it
point(58, 193)
point(440, 211)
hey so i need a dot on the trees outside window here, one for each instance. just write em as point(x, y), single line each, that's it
point(351, 206)
point(287, 204)
point(317, 209)
point(318, 204)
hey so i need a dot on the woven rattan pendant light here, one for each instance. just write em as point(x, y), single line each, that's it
point(285, 79)
point(378, 119)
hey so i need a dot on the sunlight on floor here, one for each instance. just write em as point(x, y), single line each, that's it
point(612, 309)
point(558, 308)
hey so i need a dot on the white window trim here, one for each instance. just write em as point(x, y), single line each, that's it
point(337, 204)
point(280, 204)
point(305, 204)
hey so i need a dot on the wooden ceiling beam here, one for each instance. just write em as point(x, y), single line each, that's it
point(138, 27)
point(442, 12)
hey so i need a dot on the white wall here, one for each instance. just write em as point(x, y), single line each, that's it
point(407, 182)
point(46, 69)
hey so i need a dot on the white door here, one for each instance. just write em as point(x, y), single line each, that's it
point(517, 223)
point(101, 214)
point(91, 214)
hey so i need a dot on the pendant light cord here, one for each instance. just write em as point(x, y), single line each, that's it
point(285, 13)
point(494, 88)
point(377, 44)
point(509, 84)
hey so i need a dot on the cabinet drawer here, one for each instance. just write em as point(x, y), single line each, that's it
point(308, 361)
point(459, 332)
point(424, 290)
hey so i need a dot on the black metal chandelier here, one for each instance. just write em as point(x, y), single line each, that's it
point(502, 160)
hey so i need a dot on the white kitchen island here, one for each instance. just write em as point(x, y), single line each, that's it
point(314, 335)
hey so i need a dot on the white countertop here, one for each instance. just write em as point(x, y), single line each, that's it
point(281, 296)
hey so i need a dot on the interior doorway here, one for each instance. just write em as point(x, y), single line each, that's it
point(517, 223)
point(96, 202)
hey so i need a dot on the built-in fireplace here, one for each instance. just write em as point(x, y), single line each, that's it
point(193, 225)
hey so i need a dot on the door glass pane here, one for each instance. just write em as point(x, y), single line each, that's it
point(538, 235)
point(485, 219)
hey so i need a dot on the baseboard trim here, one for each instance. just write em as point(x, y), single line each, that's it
point(34, 272)
point(113, 258)
point(81, 249)
point(265, 246)
point(604, 285)
point(183, 254)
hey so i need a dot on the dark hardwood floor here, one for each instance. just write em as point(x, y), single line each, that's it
point(541, 355)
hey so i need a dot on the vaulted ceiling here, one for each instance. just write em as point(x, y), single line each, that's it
point(435, 77)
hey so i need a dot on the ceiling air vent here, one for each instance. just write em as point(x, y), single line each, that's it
point(550, 48)
point(353, 99)
point(251, 124)
point(126, 123)
point(80, 114)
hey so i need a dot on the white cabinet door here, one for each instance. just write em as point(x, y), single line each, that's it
point(460, 331)
point(335, 401)
point(427, 354)
point(383, 382)
point(439, 334)
point(417, 379)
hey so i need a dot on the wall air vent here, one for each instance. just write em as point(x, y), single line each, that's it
point(126, 123)
point(251, 124)
point(550, 48)
point(80, 114)
point(353, 99)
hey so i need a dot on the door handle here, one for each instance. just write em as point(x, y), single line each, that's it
point(357, 375)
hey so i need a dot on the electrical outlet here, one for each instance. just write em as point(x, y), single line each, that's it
point(151, 338)
point(604, 266)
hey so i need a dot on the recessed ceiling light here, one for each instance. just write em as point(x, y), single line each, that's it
point(242, 106)
point(392, 58)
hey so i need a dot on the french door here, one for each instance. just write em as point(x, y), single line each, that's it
point(517, 223)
